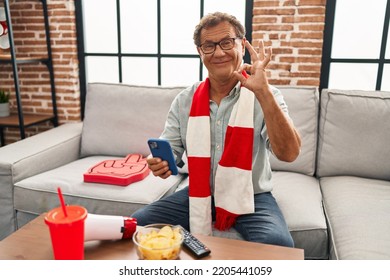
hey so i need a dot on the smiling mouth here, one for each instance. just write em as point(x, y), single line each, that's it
point(220, 62)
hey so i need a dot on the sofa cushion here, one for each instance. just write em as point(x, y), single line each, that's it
point(38, 194)
point(300, 200)
point(357, 210)
point(354, 134)
point(132, 114)
point(302, 105)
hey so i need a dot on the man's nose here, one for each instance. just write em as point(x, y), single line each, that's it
point(219, 50)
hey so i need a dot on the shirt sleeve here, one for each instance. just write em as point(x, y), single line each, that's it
point(171, 131)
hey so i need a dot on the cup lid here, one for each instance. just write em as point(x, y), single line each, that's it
point(75, 214)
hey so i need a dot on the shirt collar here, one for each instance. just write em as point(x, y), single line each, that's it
point(235, 90)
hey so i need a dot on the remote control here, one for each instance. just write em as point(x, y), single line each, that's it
point(196, 247)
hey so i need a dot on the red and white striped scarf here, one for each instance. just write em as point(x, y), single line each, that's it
point(233, 194)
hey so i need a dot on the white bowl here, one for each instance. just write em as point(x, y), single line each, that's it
point(154, 244)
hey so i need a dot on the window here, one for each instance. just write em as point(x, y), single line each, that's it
point(146, 42)
point(356, 52)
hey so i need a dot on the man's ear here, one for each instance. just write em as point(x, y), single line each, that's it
point(200, 53)
point(243, 46)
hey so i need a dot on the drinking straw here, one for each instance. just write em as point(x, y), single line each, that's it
point(62, 202)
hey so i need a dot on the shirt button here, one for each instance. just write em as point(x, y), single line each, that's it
point(218, 147)
point(218, 122)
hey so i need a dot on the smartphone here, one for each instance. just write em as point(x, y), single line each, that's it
point(162, 149)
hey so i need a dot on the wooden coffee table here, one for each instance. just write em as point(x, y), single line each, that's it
point(32, 242)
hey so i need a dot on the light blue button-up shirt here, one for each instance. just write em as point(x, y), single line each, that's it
point(176, 130)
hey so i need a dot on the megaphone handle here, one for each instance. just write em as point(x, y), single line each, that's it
point(129, 227)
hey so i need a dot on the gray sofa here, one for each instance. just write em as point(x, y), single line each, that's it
point(335, 196)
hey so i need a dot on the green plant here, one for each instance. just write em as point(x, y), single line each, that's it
point(4, 96)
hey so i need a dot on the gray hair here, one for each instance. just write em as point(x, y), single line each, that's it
point(214, 19)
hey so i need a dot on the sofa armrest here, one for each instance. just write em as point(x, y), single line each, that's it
point(41, 152)
point(29, 157)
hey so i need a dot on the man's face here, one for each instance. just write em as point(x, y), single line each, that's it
point(222, 63)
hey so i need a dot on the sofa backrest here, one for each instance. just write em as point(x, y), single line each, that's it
point(120, 118)
point(354, 134)
point(303, 105)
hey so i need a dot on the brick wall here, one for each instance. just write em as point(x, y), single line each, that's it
point(29, 37)
point(294, 29)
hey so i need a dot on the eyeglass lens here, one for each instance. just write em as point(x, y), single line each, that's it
point(225, 44)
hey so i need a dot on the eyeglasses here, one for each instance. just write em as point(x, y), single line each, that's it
point(225, 44)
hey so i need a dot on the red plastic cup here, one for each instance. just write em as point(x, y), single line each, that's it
point(67, 233)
